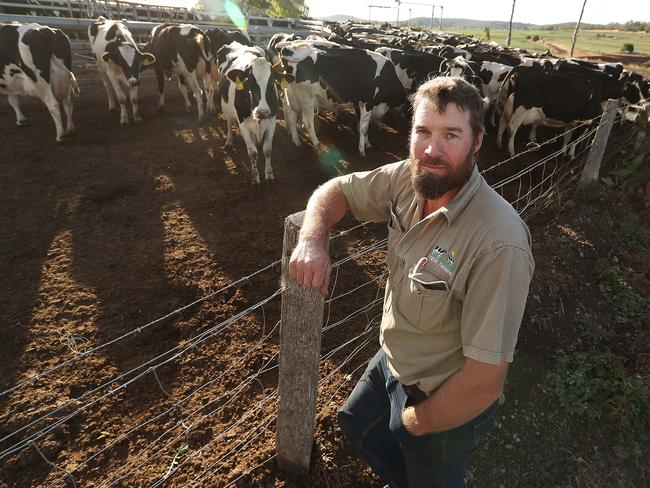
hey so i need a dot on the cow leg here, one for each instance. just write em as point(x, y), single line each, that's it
point(291, 116)
point(267, 147)
point(67, 107)
point(307, 111)
point(109, 91)
point(252, 151)
point(228, 132)
point(209, 92)
point(506, 114)
point(161, 88)
point(198, 94)
point(133, 95)
point(183, 88)
point(568, 135)
point(364, 122)
point(21, 120)
point(52, 104)
point(513, 127)
point(533, 134)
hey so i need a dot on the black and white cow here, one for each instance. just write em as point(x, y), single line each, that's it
point(218, 38)
point(533, 95)
point(119, 62)
point(492, 76)
point(412, 67)
point(37, 61)
point(338, 76)
point(183, 50)
point(247, 88)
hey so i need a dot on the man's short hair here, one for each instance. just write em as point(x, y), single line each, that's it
point(444, 89)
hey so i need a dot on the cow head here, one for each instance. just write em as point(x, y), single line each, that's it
point(257, 81)
point(128, 58)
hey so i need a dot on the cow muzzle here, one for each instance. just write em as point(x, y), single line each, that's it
point(261, 113)
point(133, 82)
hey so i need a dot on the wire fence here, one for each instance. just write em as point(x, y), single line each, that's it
point(237, 403)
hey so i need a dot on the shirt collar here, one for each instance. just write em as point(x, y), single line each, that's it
point(453, 209)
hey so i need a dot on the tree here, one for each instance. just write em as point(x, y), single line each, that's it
point(628, 47)
point(287, 8)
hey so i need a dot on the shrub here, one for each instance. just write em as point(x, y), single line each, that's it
point(595, 385)
point(628, 47)
point(535, 38)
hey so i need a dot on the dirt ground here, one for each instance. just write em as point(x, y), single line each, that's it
point(119, 226)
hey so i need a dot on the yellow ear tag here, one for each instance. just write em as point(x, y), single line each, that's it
point(239, 84)
point(284, 84)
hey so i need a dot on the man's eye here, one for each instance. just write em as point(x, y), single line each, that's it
point(451, 135)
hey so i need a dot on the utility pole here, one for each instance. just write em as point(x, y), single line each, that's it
point(575, 33)
point(433, 9)
point(512, 14)
point(398, 2)
point(441, 7)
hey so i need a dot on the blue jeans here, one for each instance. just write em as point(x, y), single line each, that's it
point(371, 419)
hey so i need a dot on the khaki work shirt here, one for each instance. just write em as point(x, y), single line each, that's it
point(458, 278)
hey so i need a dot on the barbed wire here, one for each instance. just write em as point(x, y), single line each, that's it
point(191, 344)
point(538, 146)
point(179, 403)
point(175, 313)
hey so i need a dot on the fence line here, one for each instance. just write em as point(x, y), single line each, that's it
point(175, 313)
point(192, 343)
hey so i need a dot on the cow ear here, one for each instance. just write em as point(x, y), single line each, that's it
point(238, 77)
point(148, 59)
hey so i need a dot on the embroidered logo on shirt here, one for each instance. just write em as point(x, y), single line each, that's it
point(445, 259)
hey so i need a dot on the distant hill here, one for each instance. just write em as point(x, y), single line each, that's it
point(341, 18)
point(447, 23)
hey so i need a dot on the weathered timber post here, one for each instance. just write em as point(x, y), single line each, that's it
point(300, 338)
point(592, 166)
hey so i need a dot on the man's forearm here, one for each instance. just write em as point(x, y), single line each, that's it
point(325, 208)
point(310, 262)
point(458, 400)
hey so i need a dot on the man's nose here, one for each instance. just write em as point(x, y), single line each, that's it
point(433, 148)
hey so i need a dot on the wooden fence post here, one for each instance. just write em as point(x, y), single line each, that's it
point(300, 340)
point(592, 166)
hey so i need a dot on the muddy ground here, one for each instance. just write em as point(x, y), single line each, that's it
point(119, 226)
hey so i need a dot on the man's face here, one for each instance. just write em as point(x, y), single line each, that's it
point(442, 150)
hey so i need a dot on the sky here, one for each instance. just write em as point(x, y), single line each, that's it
point(529, 11)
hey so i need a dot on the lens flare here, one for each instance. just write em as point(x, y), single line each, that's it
point(235, 14)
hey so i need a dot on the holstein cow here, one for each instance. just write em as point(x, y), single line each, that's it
point(492, 75)
point(249, 96)
point(412, 67)
point(218, 38)
point(333, 76)
point(183, 50)
point(36, 60)
point(532, 95)
point(119, 61)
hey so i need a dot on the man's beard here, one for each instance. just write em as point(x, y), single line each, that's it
point(432, 186)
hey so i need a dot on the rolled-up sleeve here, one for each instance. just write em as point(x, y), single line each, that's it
point(496, 294)
point(369, 192)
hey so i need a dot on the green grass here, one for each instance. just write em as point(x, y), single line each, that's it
point(609, 42)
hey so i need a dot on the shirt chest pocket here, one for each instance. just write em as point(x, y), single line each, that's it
point(430, 298)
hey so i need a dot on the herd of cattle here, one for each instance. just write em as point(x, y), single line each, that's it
point(369, 69)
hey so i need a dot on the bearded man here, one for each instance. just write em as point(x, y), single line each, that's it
point(460, 264)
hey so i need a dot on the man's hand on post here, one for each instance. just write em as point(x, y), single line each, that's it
point(310, 265)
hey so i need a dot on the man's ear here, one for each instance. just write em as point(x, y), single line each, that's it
point(478, 142)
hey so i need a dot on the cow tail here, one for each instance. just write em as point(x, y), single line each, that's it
point(74, 85)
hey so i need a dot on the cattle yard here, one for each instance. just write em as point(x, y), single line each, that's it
point(140, 292)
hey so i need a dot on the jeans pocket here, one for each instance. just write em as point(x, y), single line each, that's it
point(481, 430)
point(398, 399)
